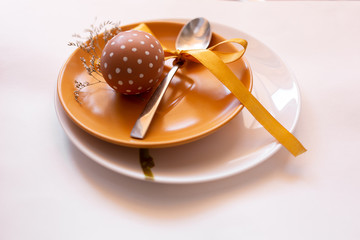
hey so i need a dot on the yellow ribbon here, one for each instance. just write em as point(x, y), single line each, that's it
point(215, 62)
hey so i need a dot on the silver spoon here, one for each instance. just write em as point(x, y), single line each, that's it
point(196, 34)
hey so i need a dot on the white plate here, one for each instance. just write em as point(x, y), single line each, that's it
point(234, 148)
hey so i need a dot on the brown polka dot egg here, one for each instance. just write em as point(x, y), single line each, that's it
point(132, 62)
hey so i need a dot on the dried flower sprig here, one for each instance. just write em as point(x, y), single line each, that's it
point(90, 44)
point(79, 86)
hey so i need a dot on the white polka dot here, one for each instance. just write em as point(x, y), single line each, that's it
point(104, 53)
point(141, 75)
point(111, 54)
point(147, 52)
point(130, 40)
point(151, 65)
point(121, 36)
point(131, 82)
point(142, 42)
point(105, 65)
point(148, 88)
point(109, 76)
point(120, 83)
point(159, 50)
point(151, 80)
point(113, 43)
point(152, 46)
point(147, 36)
point(159, 70)
point(117, 70)
point(156, 57)
point(139, 61)
point(125, 59)
point(139, 88)
point(135, 34)
point(128, 90)
point(156, 42)
point(134, 49)
point(115, 87)
point(129, 70)
point(122, 46)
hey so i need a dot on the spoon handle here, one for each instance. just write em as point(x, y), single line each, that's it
point(143, 122)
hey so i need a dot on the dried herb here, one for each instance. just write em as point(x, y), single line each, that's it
point(90, 44)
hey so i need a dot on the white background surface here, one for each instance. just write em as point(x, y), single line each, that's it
point(50, 190)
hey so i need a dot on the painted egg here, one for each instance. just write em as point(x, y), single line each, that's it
point(132, 62)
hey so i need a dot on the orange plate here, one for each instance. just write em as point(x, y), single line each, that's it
point(195, 104)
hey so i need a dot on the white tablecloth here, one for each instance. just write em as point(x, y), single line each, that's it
point(50, 190)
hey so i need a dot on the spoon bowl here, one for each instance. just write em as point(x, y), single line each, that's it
point(194, 35)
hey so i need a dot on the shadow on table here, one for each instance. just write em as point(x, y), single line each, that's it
point(172, 201)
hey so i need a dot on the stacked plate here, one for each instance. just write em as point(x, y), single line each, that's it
point(200, 132)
